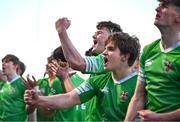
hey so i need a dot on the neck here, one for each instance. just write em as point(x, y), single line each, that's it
point(120, 74)
point(51, 77)
point(170, 36)
point(11, 77)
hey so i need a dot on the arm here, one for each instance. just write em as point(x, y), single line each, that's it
point(67, 85)
point(137, 102)
point(60, 101)
point(32, 112)
point(2, 77)
point(72, 56)
point(147, 115)
point(63, 74)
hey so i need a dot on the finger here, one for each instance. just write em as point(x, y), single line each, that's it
point(72, 73)
point(25, 83)
point(62, 64)
point(30, 82)
point(35, 81)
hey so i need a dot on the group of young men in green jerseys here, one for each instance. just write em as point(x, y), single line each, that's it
point(114, 91)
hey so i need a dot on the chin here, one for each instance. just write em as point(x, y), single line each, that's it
point(107, 68)
point(157, 23)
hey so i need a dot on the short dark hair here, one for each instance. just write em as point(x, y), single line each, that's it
point(10, 57)
point(112, 27)
point(22, 66)
point(58, 54)
point(89, 52)
point(127, 45)
point(174, 2)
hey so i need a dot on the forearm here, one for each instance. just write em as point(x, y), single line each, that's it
point(30, 108)
point(137, 101)
point(135, 105)
point(45, 111)
point(170, 116)
point(67, 85)
point(73, 57)
point(32, 117)
point(60, 101)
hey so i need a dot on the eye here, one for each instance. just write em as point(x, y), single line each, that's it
point(110, 48)
point(99, 32)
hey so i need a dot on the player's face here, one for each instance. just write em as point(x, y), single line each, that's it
point(166, 15)
point(112, 57)
point(99, 39)
point(9, 67)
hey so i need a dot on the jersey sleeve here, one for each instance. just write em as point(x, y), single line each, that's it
point(141, 68)
point(87, 90)
point(144, 59)
point(94, 64)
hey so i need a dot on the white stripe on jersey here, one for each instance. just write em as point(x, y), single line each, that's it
point(91, 64)
point(84, 87)
point(141, 75)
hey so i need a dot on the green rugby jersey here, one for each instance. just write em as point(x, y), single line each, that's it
point(94, 64)
point(12, 106)
point(2, 83)
point(112, 98)
point(75, 113)
point(46, 90)
point(92, 114)
point(160, 70)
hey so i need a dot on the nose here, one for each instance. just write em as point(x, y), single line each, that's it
point(158, 9)
point(3, 63)
point(105, 52)
point(94, 36)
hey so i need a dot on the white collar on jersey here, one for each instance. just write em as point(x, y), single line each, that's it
point(17, 77)
point(170, 48)
point(132, 74)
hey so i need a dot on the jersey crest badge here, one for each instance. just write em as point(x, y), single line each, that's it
point(53, 90)
point(124, 96)
point(167, 66)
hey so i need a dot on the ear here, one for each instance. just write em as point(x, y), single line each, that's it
point(125, 57)
point(178, 17)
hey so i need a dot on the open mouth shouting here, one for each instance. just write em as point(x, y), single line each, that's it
point(105, 61)
point(94, 43)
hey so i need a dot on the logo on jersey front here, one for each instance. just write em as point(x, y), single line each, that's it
point(13, 90)
point(123, 96)
point(167, 66)
point(105, 90)
point(148, 62)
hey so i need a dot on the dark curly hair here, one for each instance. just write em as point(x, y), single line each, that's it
point(58, 54)
point(10, 57)
point(112, 27)
point(174, 2)
point(127, 45)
